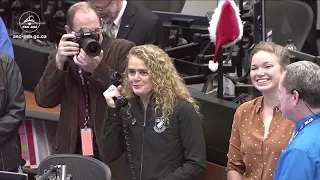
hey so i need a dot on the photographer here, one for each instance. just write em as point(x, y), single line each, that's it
point(76, 80)
point(160, 129)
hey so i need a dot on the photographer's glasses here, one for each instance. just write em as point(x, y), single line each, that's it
point(103, 7)
point(98, 30)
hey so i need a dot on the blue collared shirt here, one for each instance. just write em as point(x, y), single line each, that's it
point(5, 42)
point(300, 160)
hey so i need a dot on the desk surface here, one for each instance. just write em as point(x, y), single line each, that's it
point(32, 105)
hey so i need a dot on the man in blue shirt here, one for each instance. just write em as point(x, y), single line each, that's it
point(5, 42)
point(300, 102)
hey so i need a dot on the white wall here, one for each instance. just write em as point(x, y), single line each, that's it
point(200, 7)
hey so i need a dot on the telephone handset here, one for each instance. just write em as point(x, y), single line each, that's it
point(116, 80)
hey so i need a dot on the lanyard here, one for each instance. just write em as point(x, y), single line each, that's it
point(303, 125)
point(85, 91)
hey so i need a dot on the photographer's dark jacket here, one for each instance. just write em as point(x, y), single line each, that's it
point(158, 151)
point(61, 87)
point(12, 113)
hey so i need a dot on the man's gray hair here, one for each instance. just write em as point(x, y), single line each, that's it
point(305, 77)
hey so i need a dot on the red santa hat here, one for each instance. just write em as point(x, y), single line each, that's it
point(225, 28)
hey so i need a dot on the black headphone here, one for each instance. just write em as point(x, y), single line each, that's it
point(299, 92)
point(301, 97)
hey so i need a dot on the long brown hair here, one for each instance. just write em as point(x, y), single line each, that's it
point(279, 51)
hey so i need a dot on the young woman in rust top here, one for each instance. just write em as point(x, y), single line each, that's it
point(259, 132)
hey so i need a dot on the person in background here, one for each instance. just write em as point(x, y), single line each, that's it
point(160, 129)
point(126, 20)
point(5, 42)
point(259, 131)
point(12, 114)
point(300, 102)
point(76, 81)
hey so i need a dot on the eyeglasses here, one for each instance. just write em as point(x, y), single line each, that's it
point(98, 30)
point(103, 7)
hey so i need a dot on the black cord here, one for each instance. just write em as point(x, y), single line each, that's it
point(310, 108)
point(301, 96)
point(128, 144)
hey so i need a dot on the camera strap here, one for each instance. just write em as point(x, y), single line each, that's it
point(85, 89)
point(86, 133)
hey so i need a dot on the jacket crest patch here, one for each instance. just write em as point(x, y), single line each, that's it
point(159, 125)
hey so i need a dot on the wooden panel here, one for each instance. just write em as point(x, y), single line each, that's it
point(31, 172)
point(32, 105)
point(214, 172)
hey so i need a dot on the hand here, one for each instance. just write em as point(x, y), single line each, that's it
point(110, 93)
point(66, 48)
point(87, 63)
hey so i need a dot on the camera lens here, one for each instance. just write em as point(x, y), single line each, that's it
point(91, 47)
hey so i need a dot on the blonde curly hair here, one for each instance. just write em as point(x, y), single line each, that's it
point(167, 84)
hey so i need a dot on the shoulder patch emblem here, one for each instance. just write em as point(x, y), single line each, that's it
point(159, 125)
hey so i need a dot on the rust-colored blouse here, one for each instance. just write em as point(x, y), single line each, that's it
point(250, 153)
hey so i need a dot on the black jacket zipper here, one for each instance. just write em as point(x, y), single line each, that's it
point(144, 127)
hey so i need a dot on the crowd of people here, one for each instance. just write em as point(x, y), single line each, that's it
point(157, 133)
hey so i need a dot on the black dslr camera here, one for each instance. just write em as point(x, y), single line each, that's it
point(116, 80)
point(88, 41)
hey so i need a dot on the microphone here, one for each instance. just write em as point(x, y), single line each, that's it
point(51, 169)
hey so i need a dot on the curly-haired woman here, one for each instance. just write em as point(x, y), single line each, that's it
point(160, 130)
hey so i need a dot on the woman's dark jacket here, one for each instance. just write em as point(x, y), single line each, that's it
point(159, 151)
